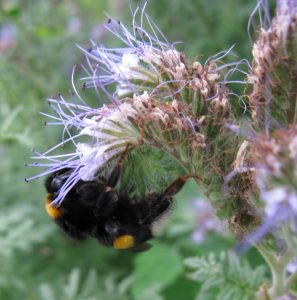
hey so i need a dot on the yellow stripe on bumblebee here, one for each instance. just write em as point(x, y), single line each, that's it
point(53, 212)
point(124, 242)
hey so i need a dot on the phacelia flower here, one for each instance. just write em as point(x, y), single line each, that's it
point(161, 101)
point(147, 62)
point(206, 221)
point(276, 170)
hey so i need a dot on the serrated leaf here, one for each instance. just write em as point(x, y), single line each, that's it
point(227, 293)
point(211, 283)
point(71, 288)
point(259, 274)
point(124, 285)
point(226, 278)
point(46, 292)
point(89, 284)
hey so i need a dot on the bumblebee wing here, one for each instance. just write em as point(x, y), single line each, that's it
point(141, 247)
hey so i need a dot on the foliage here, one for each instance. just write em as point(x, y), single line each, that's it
point(225, 277)
point(87, 288)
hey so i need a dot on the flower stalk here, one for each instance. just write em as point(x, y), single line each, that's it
point(278, 265)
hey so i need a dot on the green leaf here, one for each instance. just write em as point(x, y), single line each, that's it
point(158, 267)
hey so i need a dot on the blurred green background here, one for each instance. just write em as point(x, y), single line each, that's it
point(37, 53)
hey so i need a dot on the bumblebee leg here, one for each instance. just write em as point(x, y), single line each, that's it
point(133, 210)
point(160, 203)
point(107, 200)
point(106, 203)
point(178, 184)
point(116, 172)
point(70, 230)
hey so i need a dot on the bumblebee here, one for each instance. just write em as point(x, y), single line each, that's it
point(96, 209)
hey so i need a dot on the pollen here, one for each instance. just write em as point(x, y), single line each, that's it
point(124, 242)
point(53, 212)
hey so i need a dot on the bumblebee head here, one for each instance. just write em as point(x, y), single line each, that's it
point(52, 184)
point(56, 180)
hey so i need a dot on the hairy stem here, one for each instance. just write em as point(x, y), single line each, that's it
point(292, 279)
point(277, 264)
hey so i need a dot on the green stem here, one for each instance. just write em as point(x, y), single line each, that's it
point(292, 93)
point(292, 109)
point(271, 260)
point(277, 265)
point(292, 279)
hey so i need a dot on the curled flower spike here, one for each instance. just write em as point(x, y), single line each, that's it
point(141, 65)
point(148, 63)
point(273, 99)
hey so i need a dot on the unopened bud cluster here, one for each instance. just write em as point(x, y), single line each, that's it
point(274, 70)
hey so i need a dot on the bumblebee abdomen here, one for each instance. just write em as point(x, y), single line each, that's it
point(124, 242)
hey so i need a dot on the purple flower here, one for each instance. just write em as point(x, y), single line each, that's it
point(206, 221)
